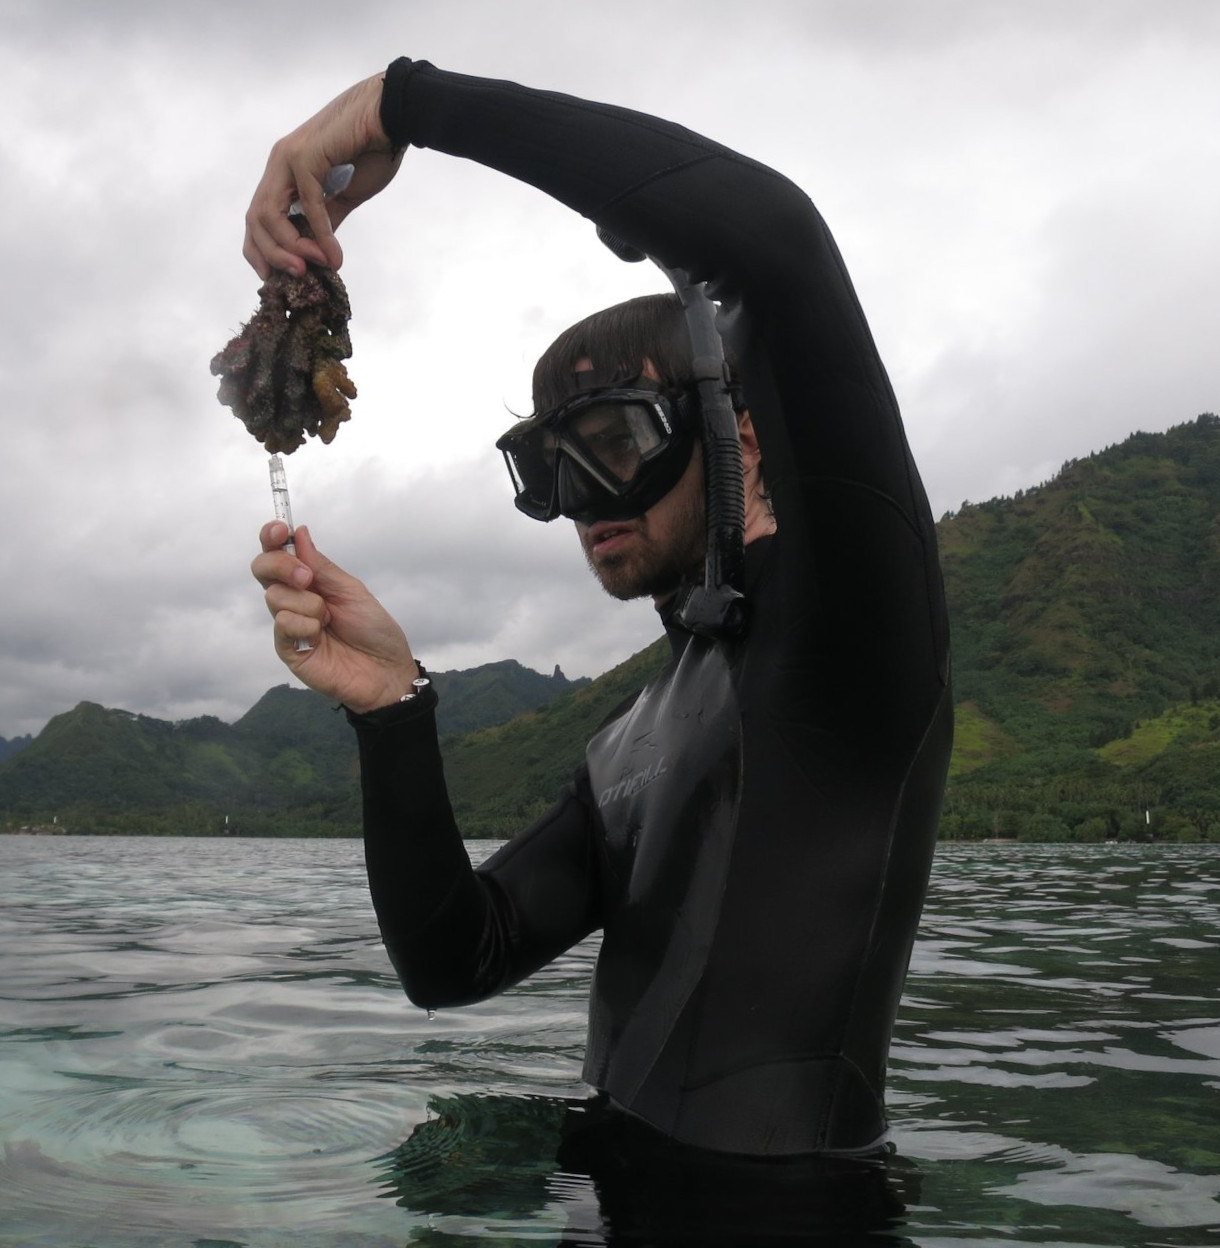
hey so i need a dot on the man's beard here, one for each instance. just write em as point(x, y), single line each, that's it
point(653, 572)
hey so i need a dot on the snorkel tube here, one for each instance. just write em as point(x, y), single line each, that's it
point(717, 607)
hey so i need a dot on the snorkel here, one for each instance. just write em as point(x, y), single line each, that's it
point(716, 608)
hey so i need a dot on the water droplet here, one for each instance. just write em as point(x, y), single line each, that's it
point(431, 1015)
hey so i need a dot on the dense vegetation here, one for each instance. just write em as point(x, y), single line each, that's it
point(1086, 670)
point(1086, 648)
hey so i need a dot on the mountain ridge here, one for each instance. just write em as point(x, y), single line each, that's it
point(289, 760)
point(1086, 674)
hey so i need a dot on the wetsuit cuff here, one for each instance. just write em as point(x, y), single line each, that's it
point(397, 712)
point(394, 115)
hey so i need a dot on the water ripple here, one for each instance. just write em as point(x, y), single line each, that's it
point(212, 1048)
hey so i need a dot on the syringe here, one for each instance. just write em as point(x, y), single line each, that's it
point(283, 511)
point(279, 497)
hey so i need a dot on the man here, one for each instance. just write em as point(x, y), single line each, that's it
point(753, 834)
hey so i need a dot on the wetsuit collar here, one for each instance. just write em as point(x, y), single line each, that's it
point(755, 557)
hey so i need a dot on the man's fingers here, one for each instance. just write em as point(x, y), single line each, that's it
point(347, 131)
point(273, 535)
point(272, 240)
point(324, 246)
point(282, 598)
point(255, 258)
point(291, 628)
point(266, 248)
point(321, 567)
point(275, 565)
point(300, 583)
point(305, 547)
point(275, 568)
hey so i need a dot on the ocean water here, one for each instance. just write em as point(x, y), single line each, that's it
point(202, 1044)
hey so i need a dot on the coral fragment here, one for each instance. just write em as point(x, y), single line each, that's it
point(283, 375)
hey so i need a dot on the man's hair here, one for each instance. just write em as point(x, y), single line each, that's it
point(617, 341)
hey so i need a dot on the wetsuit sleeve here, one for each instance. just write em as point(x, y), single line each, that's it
point(455, 934)
point(695, 204)
point(857, 528)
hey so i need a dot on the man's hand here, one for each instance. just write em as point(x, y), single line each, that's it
point(359, 655)
point(347, 131)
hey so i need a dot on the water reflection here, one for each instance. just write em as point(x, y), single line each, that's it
point(499, 1166)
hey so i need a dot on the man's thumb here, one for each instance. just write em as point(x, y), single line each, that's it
point(325, 573)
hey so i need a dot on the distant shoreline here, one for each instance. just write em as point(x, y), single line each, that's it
point(942, 843)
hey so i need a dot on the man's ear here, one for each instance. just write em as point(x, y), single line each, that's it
point(749, 439)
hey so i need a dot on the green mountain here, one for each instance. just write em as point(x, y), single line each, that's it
point(478, 697)
point(1085, 614)
point(287, 767)
point(1086, 674)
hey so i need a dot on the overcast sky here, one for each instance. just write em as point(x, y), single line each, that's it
point(1025, 191)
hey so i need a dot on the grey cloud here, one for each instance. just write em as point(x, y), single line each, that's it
point(1025, 192)
point(1116, 339)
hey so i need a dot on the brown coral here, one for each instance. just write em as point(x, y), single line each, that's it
point(283, 374)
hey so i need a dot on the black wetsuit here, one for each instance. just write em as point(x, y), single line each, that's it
point(754, 834)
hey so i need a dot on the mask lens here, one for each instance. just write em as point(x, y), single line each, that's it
point(531, 465)
point(617, 440)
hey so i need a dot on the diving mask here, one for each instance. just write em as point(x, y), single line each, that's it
point(609, 454)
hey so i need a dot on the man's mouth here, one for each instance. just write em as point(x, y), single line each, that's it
point(607, 536)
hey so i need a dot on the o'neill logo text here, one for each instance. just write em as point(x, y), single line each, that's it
point(630, 785)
